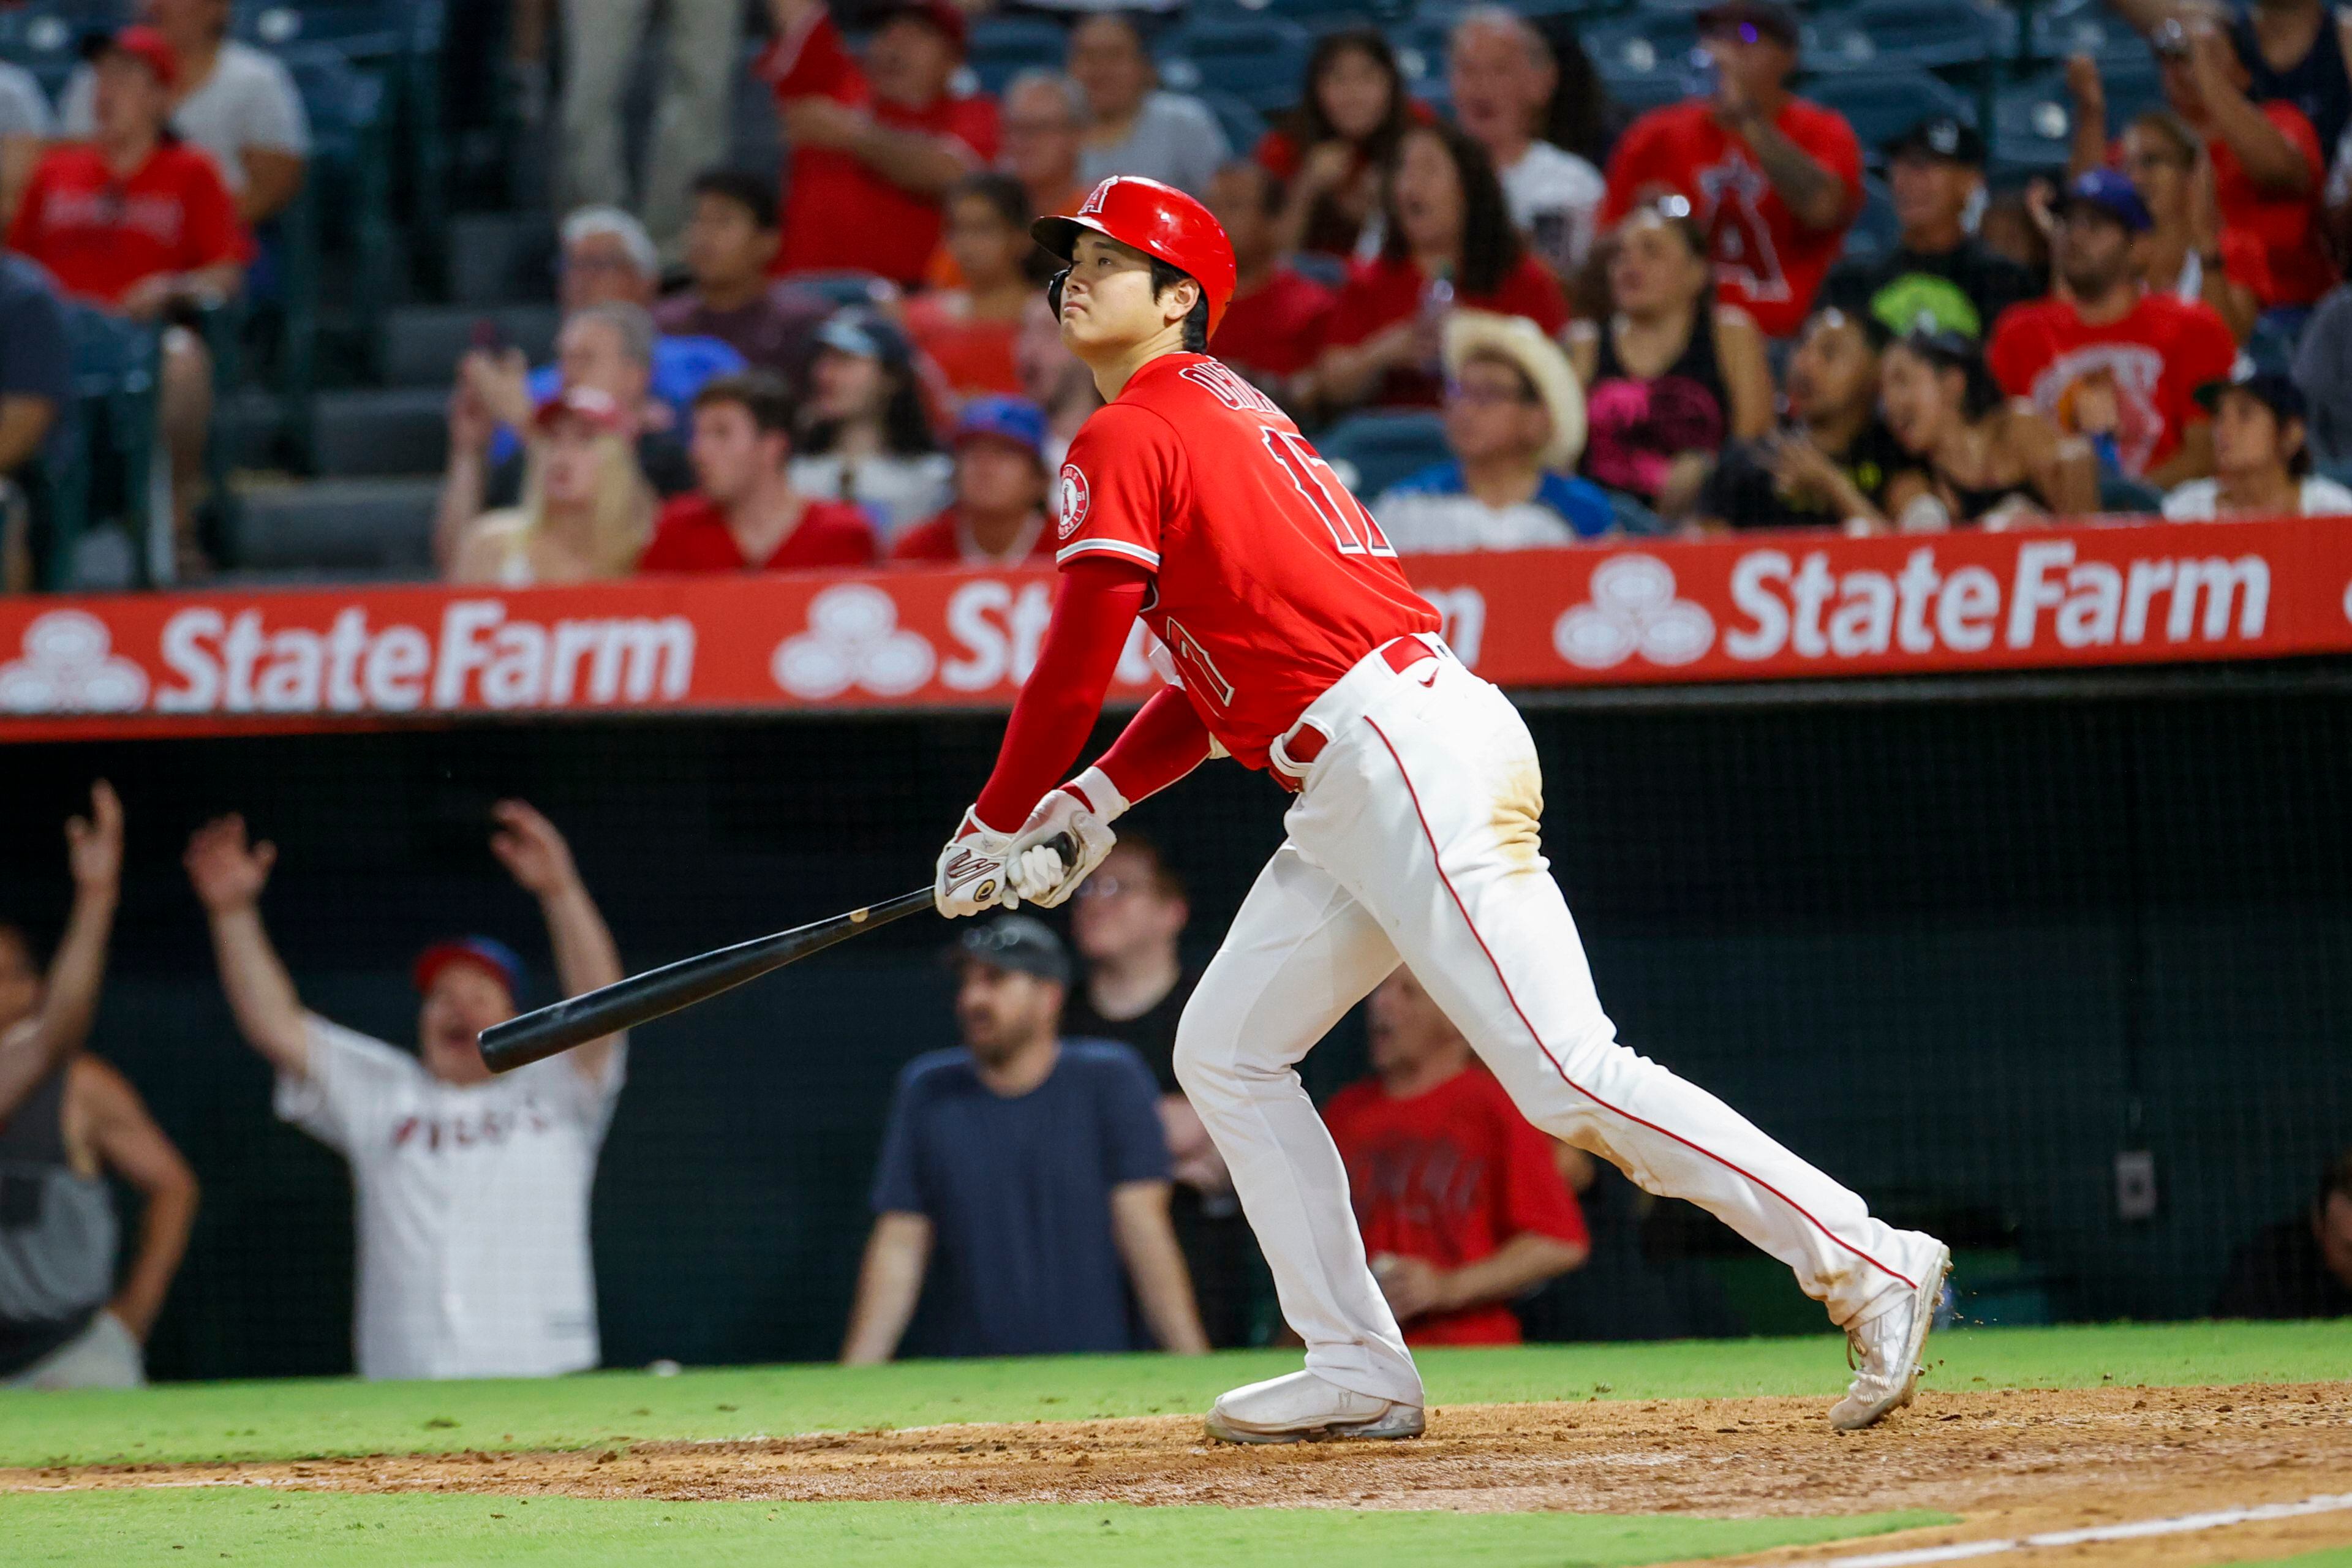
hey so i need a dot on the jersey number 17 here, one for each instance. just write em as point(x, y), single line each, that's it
point(1352, 527)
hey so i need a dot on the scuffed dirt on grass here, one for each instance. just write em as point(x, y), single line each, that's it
point(2009, 1463)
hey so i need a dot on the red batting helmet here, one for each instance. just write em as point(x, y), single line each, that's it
point(1159, 221)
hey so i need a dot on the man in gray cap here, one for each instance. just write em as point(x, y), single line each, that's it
point(1939, 275)
point(1032, 1170)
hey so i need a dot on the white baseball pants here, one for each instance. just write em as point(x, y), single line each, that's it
point(1414, 837)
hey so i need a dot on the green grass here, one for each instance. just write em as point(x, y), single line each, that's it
point(121, 1529)
point(298, 1419)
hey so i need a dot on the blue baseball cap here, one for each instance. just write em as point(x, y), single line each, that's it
point(483, 952)
point(1014, 419)
point(864, 334)
point(2113, 194)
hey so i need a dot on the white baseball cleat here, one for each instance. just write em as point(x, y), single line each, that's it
point(1303, 1408)
point(1887, 1348)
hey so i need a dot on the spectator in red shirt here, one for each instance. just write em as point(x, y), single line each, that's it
point(2109, 361)
point(968, 331)
point(1449, 241)
point(745, 516)
point(876, 145)
point(1327, 154)
point(2268, 169)
point(1460, 1204)
point(1774, 180)
point(1001, 479)
point(2187, 252)
point(1272, 330)
point(137, 223)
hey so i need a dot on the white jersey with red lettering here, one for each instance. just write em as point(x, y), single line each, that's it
point(1271, 580)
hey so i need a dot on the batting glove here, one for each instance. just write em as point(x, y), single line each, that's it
point(972, 876)
point(1084, 808)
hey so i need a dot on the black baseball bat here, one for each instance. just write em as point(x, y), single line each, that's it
point(641, 998)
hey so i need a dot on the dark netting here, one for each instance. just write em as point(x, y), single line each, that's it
point(1962, 952)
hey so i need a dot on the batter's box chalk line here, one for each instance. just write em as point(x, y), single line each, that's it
point(2179, 1524)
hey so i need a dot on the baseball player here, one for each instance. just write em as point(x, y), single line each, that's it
point(1192, 501)
point(471, 1191)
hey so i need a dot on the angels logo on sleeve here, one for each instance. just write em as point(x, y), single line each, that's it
point(1075, 496)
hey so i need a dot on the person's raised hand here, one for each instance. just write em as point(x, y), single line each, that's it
point(1327, 163)
point(2085, 86)
point(227, 872)
point(94, 842)
point(530, 848)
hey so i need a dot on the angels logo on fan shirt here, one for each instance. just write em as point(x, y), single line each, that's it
point(1074, 498)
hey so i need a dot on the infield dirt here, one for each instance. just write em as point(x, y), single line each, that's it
point(2007, 1462)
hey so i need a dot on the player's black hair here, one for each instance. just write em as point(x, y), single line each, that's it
point(755, 194)
point(1491, 248)
point(761, 393)
point(1196, 325)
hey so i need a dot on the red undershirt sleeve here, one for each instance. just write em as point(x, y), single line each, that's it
point(1099, 598)
point(1160, 746)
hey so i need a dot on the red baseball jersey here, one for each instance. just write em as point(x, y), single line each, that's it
point(99, 235)
point(1765, 260)
point(1271, 580)
point(691, 535)
point(1448, 1176)
point(2151, 363)
point(838, 212)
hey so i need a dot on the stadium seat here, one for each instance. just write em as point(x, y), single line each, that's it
point(2085, 28)
point(847, 288)
point(1331, 271)
point(1881, 104)
point(344, 206)
point(2123, 497)
point(1260, 60)
point(2033, 127)
point(108, 467)
point(1876, 231)
point(1001, 47)
point(1931, 34)
point(1372, 451)
point(44, 40)
point(1243, 125)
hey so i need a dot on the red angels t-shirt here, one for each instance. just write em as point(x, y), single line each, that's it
point(1765, 260)
point(2287, 225)
point(2152, 360)
point(1271, 580)
point(1381, 292)
point(941, 541)
point(839, 214)
point(1277, 328)
point(1448, 1176)
point(99, 236)
point(691, 535)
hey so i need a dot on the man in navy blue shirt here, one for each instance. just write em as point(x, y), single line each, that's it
point(1027, 1176)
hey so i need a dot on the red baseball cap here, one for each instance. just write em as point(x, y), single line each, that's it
point(141, 43)
point(484, 952)
point(937, 13)
point(596, 408)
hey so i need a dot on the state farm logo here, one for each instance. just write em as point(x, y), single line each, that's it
point(854, 639)
point(1633, 610)
point(69, 666)
point(1073, 501)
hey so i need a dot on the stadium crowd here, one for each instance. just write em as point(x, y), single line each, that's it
point(1651, 324)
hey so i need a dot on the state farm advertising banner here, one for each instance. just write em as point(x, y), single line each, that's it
point(1754, 607)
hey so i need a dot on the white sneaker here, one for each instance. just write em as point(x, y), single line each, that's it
point(1886, 1351)
point(1303, 1408)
